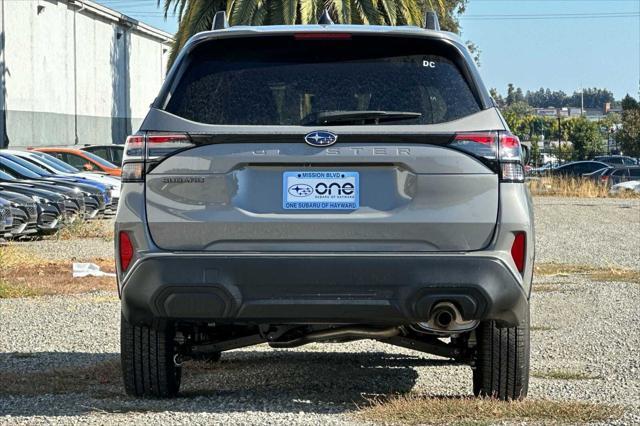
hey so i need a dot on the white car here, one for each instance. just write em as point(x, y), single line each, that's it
point(631, 185)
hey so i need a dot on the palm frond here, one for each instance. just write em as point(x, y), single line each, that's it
point(243, 11)
point(389, 7)
point(368, 11)
point(308, 11)
point(342, 11)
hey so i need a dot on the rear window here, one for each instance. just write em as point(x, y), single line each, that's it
point(280, 80)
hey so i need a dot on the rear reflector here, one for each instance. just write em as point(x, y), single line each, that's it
point(125, 250)
point(322, 36)
point(518, 250)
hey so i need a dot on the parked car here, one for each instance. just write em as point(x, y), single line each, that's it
point(577, 168)
point(617, 160)
point(59, 167)
point(111, 153)
point(364, 187)
point(614, 175)
point(6, 219)
point(537, 171)
point(25, 214)
point(74, 205)
point(49, 164)
point(82, 160)
point(631, 186)
point(95, 199)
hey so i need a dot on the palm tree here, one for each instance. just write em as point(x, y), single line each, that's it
point(197, 15)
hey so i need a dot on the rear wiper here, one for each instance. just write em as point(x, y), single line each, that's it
point(357, 117)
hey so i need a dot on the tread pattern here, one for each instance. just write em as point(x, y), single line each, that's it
point(146, 355)
point(502, 361)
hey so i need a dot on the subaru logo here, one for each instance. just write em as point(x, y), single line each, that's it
point(300, 190)
point(320, 138)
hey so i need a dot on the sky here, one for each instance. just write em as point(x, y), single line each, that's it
point(556, 44)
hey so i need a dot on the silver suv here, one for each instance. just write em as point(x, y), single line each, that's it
point(324, 183)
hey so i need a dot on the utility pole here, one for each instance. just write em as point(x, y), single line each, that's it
point(559, 135)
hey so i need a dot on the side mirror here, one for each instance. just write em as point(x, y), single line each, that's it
point(87, 167)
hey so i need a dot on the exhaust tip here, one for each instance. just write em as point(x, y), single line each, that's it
point(444, 318)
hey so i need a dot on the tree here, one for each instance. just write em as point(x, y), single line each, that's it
point(593, 98)
point(535, 151)
point(497, 97)
point(629, 134)
point(629, 103)
point(197, 15)
point(586, 138)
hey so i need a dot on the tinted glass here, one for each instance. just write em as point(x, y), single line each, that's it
point(116, 154)
point(5, 176)
point(100, 152)
point(100, 161)
point(17, 170)
point(282, 81)
point(74, 160)
point(591, 167)
point(28, 165)
point(55, 162)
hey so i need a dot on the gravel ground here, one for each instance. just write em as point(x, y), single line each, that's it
point(597, 232)
point(80, 250)
point(579, 325)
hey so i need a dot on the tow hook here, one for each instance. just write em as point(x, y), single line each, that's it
point(179, 359)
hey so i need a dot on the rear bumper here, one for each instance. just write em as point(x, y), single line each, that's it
point(366, 289)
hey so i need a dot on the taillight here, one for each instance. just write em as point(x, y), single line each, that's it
point(147, 149)
point(518, 250)
point(125, 249)
point(510, 150)
point(160, 145)
point(133, 159)
point(480, 144)
point(494, 146)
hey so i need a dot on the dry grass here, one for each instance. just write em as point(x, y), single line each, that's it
point(591, 272)
point(87, 229)
point(24, 275)
point(563, 375)
point(571, 187)
point(546, 288)
point(416, 409)
point(12, 255)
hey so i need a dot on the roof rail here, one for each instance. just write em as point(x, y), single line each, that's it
point(431, 21)
point(220, 21)
point(325, 19)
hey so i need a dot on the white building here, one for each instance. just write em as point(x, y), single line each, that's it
point(75, 72)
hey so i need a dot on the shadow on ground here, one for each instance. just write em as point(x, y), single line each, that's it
point(281, 381)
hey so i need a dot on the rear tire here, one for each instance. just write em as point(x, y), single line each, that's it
point(146, 355)
point(502, 361)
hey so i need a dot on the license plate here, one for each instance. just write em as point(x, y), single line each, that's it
point(321, 190)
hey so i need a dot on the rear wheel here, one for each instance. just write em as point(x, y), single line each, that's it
point(502, 361)
point(146, 354)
